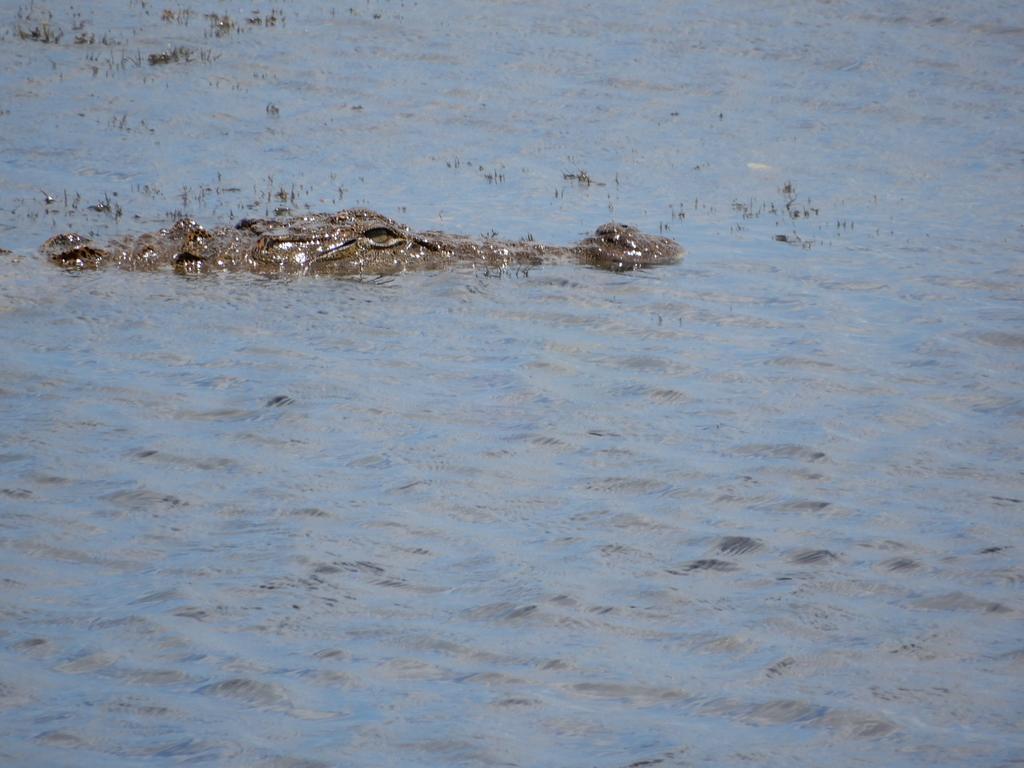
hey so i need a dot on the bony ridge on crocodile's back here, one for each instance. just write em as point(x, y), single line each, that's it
point(350, 242)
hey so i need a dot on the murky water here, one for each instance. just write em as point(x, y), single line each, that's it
point(760, 508)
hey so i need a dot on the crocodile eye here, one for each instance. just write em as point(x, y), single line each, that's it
point(382, 236)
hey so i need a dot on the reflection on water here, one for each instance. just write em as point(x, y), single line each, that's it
point(760, 507)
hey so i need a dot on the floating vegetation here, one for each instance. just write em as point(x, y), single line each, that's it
point(493, 176)
point(179, 17)
point(173, 56)
point(37, 24)
point(182, 53)
point(221, 25)
point(581, 177)
point(793, 240)
point(108, 206)
point(269, 20)
point(41, 33)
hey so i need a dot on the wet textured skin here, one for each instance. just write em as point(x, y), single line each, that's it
point(351, 242)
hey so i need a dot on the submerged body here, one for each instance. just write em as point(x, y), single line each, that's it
point(351, 242)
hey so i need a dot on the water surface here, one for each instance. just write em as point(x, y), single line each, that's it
point(758, 508)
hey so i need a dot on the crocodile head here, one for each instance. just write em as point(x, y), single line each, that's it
point(621, 247)
point(357, 237)
point(355, 241)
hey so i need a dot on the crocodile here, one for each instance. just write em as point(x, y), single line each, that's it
point(357, 241)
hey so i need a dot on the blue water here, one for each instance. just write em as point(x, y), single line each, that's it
point(761, 507)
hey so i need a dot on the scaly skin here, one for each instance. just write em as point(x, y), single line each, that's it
point(352, 242)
